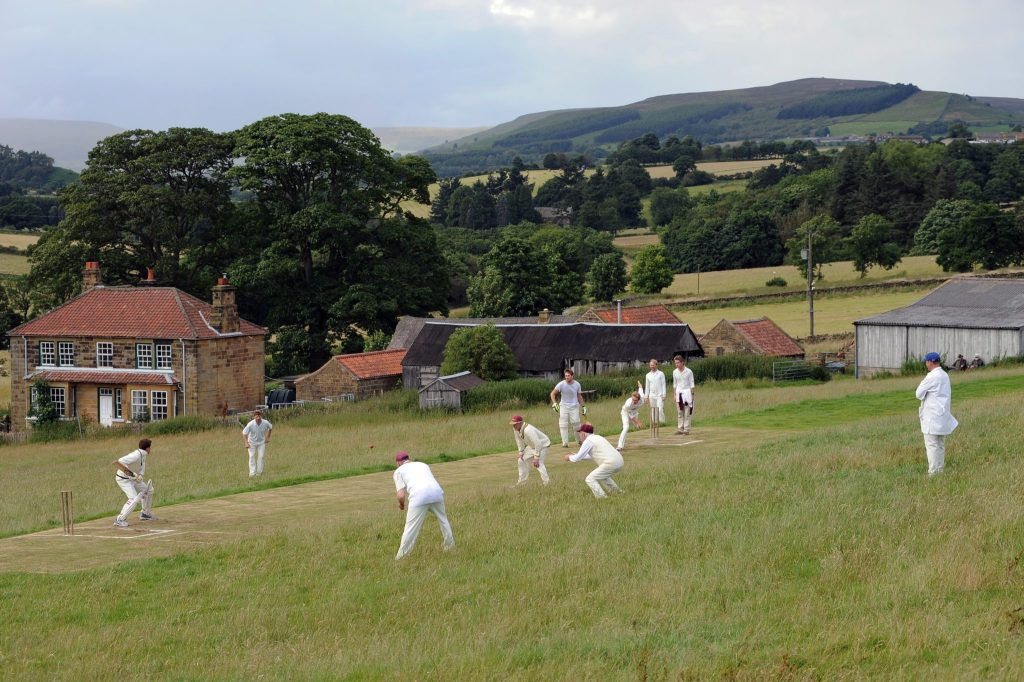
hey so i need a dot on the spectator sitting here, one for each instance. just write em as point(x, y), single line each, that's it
point(976, 362)
point(960, 363)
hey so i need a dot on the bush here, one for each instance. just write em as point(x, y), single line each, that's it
point(735, 366)
point(48, 432)
point(913, 367)
point(820, 373)
point(520, 392)
point(776, 282)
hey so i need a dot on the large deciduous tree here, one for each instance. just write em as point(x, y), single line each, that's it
point(333, 254)
point(870, 243)
point(482, 351)
point(651, 270)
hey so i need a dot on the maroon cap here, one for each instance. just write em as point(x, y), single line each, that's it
point(401, 456)
point(586, 428)
point(516, 418)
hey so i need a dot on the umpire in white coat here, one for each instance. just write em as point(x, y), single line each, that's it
point(937, 420)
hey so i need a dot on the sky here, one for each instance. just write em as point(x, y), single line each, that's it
point(222, 64)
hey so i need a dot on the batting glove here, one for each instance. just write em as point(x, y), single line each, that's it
point(536, 462)
point(554, 406)
point(584, 410)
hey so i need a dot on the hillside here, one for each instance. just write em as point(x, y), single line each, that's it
point(67, 142)
point(802, 108)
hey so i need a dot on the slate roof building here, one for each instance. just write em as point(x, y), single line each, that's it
point(970, 315)
point(760, 336)
point(124, 353)
point(359, 375)
point(545, 350)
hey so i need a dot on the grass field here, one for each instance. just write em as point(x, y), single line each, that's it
point(13, 264)
point(869, 127)
point(796, 536)
point(21, 240)
point(716, 167)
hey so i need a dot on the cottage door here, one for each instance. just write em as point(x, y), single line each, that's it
point(106, 406)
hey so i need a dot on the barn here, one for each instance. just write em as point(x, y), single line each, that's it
point(447, 391)
point(970, 315)
point(353, 376)
point(545, 350)
point(760, 336)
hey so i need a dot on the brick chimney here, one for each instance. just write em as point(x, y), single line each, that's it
point(225, 313)
point(91, 276)
point(545, 316)
point(150, 280)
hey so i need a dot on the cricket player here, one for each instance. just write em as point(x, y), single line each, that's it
point(609, 461)
point(683, 387)
point(419, 491)
point(570, 400)
point(630, 413)
point(256, 436)
point(533, 443)
point(654, 387)
point(130, 478)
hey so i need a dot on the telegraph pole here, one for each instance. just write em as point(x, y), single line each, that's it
point(810, 279)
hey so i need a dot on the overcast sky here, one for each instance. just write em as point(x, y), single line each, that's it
point(224, 63)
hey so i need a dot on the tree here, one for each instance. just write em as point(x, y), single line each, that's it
point(43, 407)
point(871, 243)
point(651, 271)
point(826, 243)
point(152, 199)
point(986, 237)
point(607, 277)
point(331, 250)
point(513, 280)
point(667, 204)
point(481, 350)
point(945, 214)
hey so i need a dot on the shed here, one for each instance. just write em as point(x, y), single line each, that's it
point(760, 336)
point(546, 350)
point(446, 391)
point(359, 375)
point(970, 315)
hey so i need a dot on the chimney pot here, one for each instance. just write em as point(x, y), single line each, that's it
point(150, 275)
point(91, 277)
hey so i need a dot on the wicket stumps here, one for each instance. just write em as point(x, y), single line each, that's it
point(655, 421)
point(67, 511)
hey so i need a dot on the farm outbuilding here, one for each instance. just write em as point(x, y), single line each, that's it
point(447, 391)
point(758, 337)
point(971, 315)
point(353, 376)
point(544, 350)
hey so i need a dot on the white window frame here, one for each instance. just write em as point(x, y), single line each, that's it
point(144, 350)
point(118, 410)
point(164, 359)
point(104, 353)
point(58, 396)
point(66, 353)
point(158, 405)
point(140, 404)
point(47, 354)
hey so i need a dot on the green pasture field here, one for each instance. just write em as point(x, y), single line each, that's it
point(833, 314)
point(13, 264)
point(19, 239)
point(780, 541)
point(867, 127)
point(921, 106)
point(716, 167)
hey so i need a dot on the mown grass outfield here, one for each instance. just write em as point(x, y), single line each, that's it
point(799, 539)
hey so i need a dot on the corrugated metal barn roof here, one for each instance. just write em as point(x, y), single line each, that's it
point(544, 348)
point(968, 303)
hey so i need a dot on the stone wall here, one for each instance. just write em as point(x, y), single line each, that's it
point(330, 380)
point(724, 339)
point(228, 376)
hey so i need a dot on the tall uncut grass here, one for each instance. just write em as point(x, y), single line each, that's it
point(824, 553)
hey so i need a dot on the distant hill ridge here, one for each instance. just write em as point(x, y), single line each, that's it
point(808, 107)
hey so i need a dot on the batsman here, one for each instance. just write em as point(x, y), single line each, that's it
point(130, 478)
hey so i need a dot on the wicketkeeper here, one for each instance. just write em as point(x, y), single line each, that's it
point(130, 478)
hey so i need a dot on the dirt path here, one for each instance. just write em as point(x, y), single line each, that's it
point(184, 527)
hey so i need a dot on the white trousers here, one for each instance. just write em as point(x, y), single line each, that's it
point(625, 430)
point(658, 401)
point(683, 416)
point(256, 452)
point(603, 473)
point(136, 493)
point(414, 517)
point(567, 416)
point(935, 448)
point(525, 463)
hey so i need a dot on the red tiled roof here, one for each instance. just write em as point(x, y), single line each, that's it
point(379, 363)
point(74, 376)
point(131, 312)
point(769, 337)
point(644, 314)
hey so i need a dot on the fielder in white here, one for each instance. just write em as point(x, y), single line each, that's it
point(570, 400)
point(684, 387)
point(630, 413)
point(609, 461)
point(256, 436)
point(419, 491)
point(533, 443)
point(130, 478)
point(654, 387)
point(937, 420)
